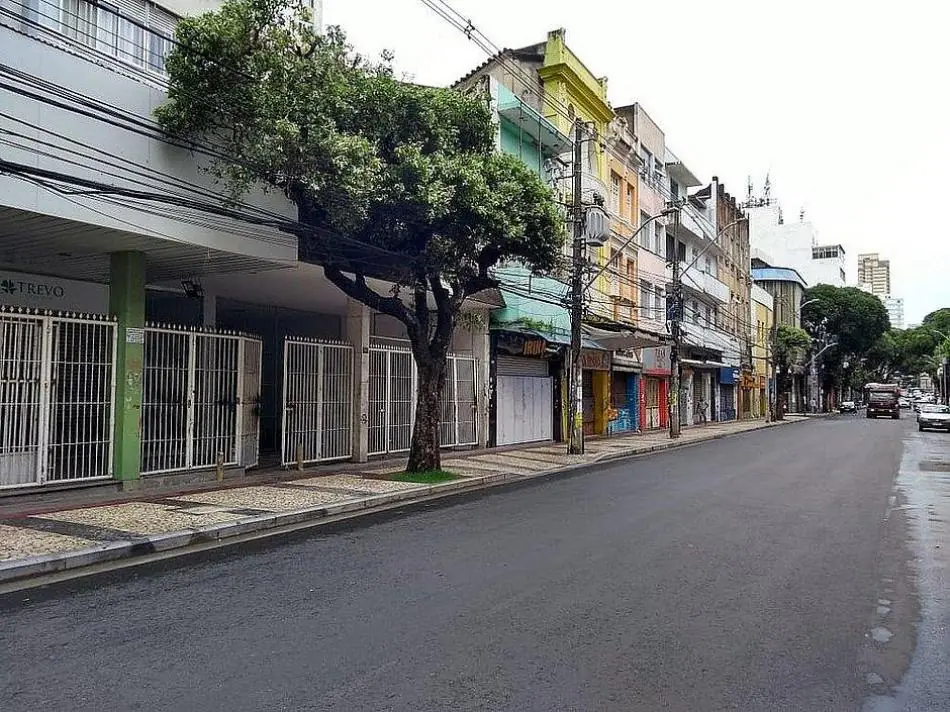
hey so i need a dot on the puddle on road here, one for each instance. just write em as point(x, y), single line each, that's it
point(925, 494)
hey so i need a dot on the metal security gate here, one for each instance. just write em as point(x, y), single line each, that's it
point(393, 381)
point(57, 388)
point(459, 403)
point(317, 422)
point(195, 388)
point(392, 398)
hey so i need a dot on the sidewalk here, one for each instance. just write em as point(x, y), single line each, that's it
point(71, 537)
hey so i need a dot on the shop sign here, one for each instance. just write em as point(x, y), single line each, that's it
point(748, 380)
point(515, 344)
point(656, 358)
point(18, 289)
point(594, 360)
point(729, 375)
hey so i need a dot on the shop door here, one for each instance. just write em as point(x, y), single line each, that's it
point(588, 402)
point(524, 401)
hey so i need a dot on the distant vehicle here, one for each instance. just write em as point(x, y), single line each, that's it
point(883, 399)
point(903, 402)
point(934, 417)
point(848, 407)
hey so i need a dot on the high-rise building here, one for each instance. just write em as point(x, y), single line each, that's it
point(874, 274)
point(895, 310)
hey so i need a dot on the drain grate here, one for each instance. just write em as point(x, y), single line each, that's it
point(935, 465)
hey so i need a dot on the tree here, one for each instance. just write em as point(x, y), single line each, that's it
point(852, 319)
point(791, 344)
point(392, 180)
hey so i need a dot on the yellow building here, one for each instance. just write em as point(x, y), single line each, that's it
point(763, 321)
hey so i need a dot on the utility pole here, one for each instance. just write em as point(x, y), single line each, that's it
point(677, 307)
point(575, 421)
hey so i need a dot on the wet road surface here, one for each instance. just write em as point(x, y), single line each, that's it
point(741, 574)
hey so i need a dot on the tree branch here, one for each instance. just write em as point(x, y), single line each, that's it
point(357, 288)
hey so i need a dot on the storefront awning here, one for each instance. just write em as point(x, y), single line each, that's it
point(696, 363)
point(558, 338)
point(625, 338)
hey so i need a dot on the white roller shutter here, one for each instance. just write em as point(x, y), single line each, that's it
point(519, 366)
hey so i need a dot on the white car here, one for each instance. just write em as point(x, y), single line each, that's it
point(933, 417)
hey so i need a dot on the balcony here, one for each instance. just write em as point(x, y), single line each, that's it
point(703, 283)
point(710, 338)
point(532, 123)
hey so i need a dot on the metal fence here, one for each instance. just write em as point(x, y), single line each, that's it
point(317, 423)
point(392, 400)
point(57, 388)
point(460, 402)
point(195, 391)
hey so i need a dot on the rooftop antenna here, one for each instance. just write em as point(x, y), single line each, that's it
point(767, 190)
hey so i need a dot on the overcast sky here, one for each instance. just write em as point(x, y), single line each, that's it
point(846, 103)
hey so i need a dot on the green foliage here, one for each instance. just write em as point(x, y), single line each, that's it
point(791, 343)
point(856, 322)
point(852, 317)
point(405, 168)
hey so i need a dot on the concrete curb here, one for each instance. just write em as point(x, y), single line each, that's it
point(20, 570)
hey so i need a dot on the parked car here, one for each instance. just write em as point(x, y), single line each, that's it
point(903, 402)
point(848, 407)
point(933, 417)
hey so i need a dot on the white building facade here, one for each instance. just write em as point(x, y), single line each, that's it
point(895, 310)
point(796, 245)
point(143, 329)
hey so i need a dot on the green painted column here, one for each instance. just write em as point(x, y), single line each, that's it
point(127, 304)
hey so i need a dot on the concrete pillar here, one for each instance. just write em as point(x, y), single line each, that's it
point(359, 318)
point(481, 350)
point(127, 304)
point(209, 310)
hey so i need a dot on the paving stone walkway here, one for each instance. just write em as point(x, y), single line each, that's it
point(83, 528)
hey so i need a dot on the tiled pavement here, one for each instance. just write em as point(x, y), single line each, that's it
point(53, 538)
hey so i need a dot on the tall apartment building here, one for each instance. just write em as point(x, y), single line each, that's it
point(874, 274)
point(895, 310)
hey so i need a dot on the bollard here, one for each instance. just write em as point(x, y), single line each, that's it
point(219, 466)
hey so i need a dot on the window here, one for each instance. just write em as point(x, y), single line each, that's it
point(708, 269)
point(646, 231)
point(709, 316)
point(660, 238)
point(694, 311)
point(647, 162)
point(645, 291)
point(138, 33)
point(658, 304)
point(629, 210)
point(79, 21)
point(674, 190)
point(614, 193)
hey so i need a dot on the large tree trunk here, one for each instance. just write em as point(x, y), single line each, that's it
point(425, 452)
point(780, 384)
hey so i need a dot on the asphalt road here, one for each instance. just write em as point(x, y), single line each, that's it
point(738, 574)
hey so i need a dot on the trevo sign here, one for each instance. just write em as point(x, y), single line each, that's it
point(18, 289)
